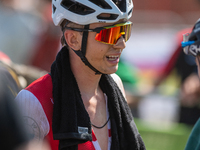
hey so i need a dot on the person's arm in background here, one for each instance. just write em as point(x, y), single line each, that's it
point(13, 133)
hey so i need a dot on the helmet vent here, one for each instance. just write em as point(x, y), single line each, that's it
point(130, 12)
point(54, 8)
point(76, 7)
point(121, 4)
point(105, 16)
point(101, 3)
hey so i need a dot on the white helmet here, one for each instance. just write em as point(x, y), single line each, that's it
point(85, 12)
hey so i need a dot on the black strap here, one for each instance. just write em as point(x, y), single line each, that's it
point(102, 125)
point(84, 40)
point(86, 62)
point(82, 53)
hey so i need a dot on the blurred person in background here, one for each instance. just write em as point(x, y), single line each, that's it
point(28, 35)
point(13, 132)
point(11, 125)
point(81, 103)
point(19, 31)
point(49, 40)
point(32, 41)
point(185, 70)
point(191, 44)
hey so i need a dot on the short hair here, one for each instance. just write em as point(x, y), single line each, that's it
point(68, 24)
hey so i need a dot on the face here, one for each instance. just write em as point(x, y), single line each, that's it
point(104, 57)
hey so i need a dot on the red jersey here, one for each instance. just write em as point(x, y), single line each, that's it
point(36, 103)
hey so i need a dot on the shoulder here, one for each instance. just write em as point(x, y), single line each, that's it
point(36, 106)
point(33, 114)
point(42, 88)
point(118, 80)
point(41, 83)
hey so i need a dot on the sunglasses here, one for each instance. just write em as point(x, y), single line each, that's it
point(188, 46)
point(110, 34)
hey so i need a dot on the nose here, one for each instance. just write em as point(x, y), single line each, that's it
point(120, 43)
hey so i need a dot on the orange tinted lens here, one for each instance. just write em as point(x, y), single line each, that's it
point(127, 30)
point(111, 35)
point(108, 36)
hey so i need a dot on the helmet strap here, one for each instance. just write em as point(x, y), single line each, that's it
point(86, 62)
point(84, 40)
point(81, 53)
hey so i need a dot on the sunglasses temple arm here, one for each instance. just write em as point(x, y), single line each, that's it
point(188, 43)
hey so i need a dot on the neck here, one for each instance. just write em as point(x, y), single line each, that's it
point(88, 83)
point(86, 79)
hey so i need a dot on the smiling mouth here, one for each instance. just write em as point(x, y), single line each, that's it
point(112, 58)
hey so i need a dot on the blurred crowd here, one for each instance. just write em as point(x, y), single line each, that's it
point(25, 29)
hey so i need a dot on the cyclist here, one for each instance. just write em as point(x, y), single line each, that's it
point(191, 46)
point(81, 103)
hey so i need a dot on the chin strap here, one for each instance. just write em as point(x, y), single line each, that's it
point(81, 53)
point(85, 61)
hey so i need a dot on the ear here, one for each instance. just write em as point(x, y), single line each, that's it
point(73, 39)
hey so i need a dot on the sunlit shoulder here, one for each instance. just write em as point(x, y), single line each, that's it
point(118, 80)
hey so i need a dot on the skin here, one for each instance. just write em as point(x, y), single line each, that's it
point(98, 55)
point(198, 64)
point(190, 88)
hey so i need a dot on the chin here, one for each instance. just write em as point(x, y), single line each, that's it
point(112, 70)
